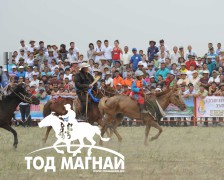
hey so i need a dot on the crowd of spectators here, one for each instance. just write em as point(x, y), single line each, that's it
point(50, 70)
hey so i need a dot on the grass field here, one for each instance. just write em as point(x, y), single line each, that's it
point(179, 153)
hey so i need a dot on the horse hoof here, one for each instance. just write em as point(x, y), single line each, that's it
point(15, 146)
point(152, 138)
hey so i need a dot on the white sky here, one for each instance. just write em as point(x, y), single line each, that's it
point(133, 23)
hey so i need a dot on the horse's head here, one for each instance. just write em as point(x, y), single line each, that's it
point(20, 92)
point(108, 91)
point(48, 120)
point(176, 99)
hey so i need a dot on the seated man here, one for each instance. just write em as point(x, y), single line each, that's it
point(137, 90)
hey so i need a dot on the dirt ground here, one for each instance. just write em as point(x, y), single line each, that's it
point(179, 153)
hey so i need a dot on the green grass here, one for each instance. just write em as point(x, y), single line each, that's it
point(179, 153)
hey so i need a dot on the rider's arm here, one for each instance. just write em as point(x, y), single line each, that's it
point(134, 87)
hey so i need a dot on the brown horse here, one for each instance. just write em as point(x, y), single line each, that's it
point(93, 113)
point(116, 107)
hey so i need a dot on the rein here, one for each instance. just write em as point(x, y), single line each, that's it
point(23, 97)
point(105, 91)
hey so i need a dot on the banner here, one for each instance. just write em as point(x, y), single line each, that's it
point(174, 111)
point(210, 106)
point(36, 111)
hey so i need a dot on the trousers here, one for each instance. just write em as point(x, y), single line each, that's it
point(25, 113)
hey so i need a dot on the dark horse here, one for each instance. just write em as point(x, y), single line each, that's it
point(8, 106)
point(93, 113)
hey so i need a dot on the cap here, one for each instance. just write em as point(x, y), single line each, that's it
point(158, 89)
point(140, 63)
point(194, 71)
point(102, 59)
point(4, 69)
point(190, 84)
point(152, 41)
point(134, 49)
point(20, 67)
point(21, 50)
point(13, 67)
point(106, 67)
point(183, 73)
point(205, 72)
point(94, 70)
point(108, 73)
point(181, 47)
point(41, 82)
point(66, 60)
point(183, 64)
point(83, 65)
point(41, 88)
point(118, 84)
point(21, 59)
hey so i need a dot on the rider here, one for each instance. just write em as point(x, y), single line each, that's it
point(83, 81)
point(137, 89)
point(3, 82)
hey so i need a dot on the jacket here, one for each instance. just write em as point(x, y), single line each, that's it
point(82, 82)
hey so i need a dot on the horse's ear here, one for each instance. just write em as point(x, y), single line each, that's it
point(53, 113)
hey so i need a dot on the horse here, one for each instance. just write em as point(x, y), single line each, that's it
point(66, 132)
point(8, 105)
point(116, 107)
point(93, 112)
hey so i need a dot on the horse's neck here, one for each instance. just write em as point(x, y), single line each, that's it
point(10, 103)
point(163, 100)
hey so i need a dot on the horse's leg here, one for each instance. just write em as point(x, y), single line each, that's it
point(115, 124)
point(147, 128)
point(103, 130)
point(157, 126)
point(10, 129)
point(80, 147)
point(55, 146)
point(47, 133)
point(90, 138)
point(100, 122)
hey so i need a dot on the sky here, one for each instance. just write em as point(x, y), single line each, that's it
point(133, 23)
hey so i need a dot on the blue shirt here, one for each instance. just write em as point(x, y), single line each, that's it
point(21, 74)
point(211, 67)
point(134, 60)
point(162, 72)
point(213, 55)
point(134, 88)
point(152, 51)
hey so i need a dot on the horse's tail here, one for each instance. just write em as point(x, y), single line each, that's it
point(47, 109)
point(98, 132)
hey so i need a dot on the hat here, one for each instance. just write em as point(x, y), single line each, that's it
point(20, 67)
point(21, 59)
point(106, 67)
point(74, 62)
point(32, 84)
point(129, 87)
point(66, 60)
point(150, 64)
point(134, 49)
point(34, 67)
point(13, 66)
point(189, 55)
point(45, 59)
point(183, 73)
point(172, 74)
point(102, 59)
point(221, 50)
point(118, 84)
point(32, 41)
point(35, 74)
point(158, 89)
point(83, 65)
point(205, 72)
point(96, 62)
point(50, 50)
point(152, 77)
point(152, 41)
point(140, 63)
point(94, 70)
point(4, 69)
point(41, 82)
point(41, 88)
point(194, 71)
point(221, 84)
point(163, 62)
point(183, 64)
point(108, 73)
point(190, 84)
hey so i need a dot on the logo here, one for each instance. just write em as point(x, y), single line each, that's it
point(67, 129)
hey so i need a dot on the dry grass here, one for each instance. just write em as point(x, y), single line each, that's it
point(179, 153)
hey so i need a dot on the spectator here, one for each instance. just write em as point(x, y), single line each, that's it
point(218, 49)
point(119, 88)
point(135, 59)
point(175, 55)
point(183, 68)
point(75, 49)
point(108, 79)
point(162, 71)
point(181, 51)
point(156, 61)
point(190, 52)
point(90, 52)
point(184, 80)
point(116, 53)
point(195, 80)
point(21, 72)
point(32, 47)
point(98, 52)
point(107, 50)
point(71, 56)
point(204, 80)
point(117, 79)
point(190, 93)
point(191, 62)
point(126, 56)
point(210, 64)
point(213, 89)
point(23, 46)
point(128, 81)
point(211, 54)
point(151, 70)
point(221, 90)
point(162, 44)
point(152, 50)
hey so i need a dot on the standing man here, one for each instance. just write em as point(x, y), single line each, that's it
point(135, 59)
point(175, 55)
point(98, 52)
point(152, 50)
point(218, 49)
point(83, 81)
point(107, 50)
point(126, 56)
point(75, 49)
point(190, 52)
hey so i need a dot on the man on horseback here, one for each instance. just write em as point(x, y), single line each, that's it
point(3, 83)
point(137, 90)
point(83, 81)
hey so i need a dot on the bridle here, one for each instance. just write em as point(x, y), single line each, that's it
point(22, 96)
point(104, 91)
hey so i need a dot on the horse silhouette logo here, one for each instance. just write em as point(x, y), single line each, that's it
point(70, 129)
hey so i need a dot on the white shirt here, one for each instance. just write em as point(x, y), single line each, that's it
point(36, 82)
point(25, 48)
point(126, 57)
point(165, 56)
point(68, 76)
point(109, 81)
point(31, 49)
point(71, 57)
point(108, 52)
point(189, 74)
point(166, 48)
point(190, 53)
point(144, 64)
point(75, 50)
point(97, 58)
point(20, 56)
point(211, 79)
point(29, 62)
point(195, 83)
point(174, 57)
point(53, 68)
